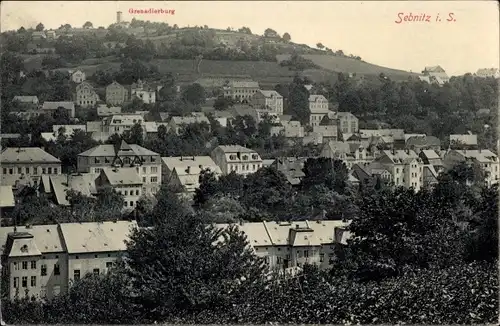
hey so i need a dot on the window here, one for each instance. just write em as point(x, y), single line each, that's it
point(131, 204)
point(44, 270)
point(55, 170)
point(96, 271)
point(4, 170)
point(33, 264)
point(57, 271)
point(49, 170)
point(144, 169)
point(397, 170)
point(25, 265)
point(137, 192)
point(154, 179)
point(19, 170)
point(24, 282)
point(306, 253)
point(321, 257)
point(16, 282)
point(35, 170)
point(27, 170)
point(279, 260)
point(44, 170)
point(33, 281)
point(125, 193)
point(144, 179)
point(11, 171)
point(76, 274)
point(153, 159)
point(16, 266)
point(154, 169)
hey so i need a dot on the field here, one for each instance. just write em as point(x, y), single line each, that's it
point(348, 65)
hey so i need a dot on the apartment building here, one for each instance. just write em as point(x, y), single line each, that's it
point(125, 181)
point(184, 171)
point(236, 158)
point(241, 90)
point(268, 99)
point(348, 123)
point(292, 129)
point(286, 245)
point(27, 163)
point(141, 91)
point(176, 124)
point(86, 95)
point(116, 94)
point(119, 123)
point(405, 166)
point(484, 158)
point(146, 163)
point(318, 108)
point(41, 260)
point(77, 77)
point(349, 153)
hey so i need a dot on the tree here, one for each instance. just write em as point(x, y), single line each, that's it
point(299, 100)
point(269, 32)
point(109, 204)
point(82, 207)
point(320, 46)
point(325, 171)
point(135, 135)
point(286, 37)
point(87, 25)
point(194, 94)
point(39, 27)
point(183, 266)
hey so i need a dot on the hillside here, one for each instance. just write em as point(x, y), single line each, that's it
point(349, 65)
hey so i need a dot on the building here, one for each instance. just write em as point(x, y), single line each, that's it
point(184, 171)
point(488, 72)
point(241, 90)
point(438, 73)
point(78, 77)
point(329, 132)
point(236, 158)
point(27, 162)
point(291, 167)
point(65, 130)
point(51, 34)
point(38, 35)
point(56, 186)
point(405, 167)
point(348, 123)
point(465, 140)
point(41, 260)
point(292, 244)
point(483, 158)
point(176, 124)
point(86, 95)
point(141, 91)
point(106, 111)
point(26, 101)
point(418, 143)
point(146, 163)
point(125, 181)
point(119, 123)
point(391, 137)
point(349, 153)
point(116, 94)
point(7, 201)
point(51, 107)
point(318, 108)
point(268, 99)
point(293, 129)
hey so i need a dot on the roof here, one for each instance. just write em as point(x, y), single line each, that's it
point(190, 119)
point(244, 84)
point(104, 110)
point(315, 98)
point(6, 196)
point(26, 99)
point(467, 139)
point(59, 184)
point(70, 129)
point(270, 93)
point(109, 150)
point(124, 119)
point(482, 155)
point(183, 162)
point(423, 141)
point(96, 237)
point(347, 115)
point(396, 134)
point(27, 155)
point(56, 105)
point(122, 176)
point(430, 154)
point(400, 156)
point(235, 149)
point(434, 69)
point(46, 237)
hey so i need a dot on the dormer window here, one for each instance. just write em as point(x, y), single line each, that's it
point(245, 157)
point(255, 156)
point(232, 157)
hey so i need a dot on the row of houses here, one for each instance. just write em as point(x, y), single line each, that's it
point(41, 261)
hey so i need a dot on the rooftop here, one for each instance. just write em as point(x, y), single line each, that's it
point(122, 176)
point(27, 155)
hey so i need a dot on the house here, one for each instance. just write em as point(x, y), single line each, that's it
point(124, 180)
point(119, 123)
point(184, 171)
point(285, 245)
point(177, 123)
point(349, 153)
point(116, 94)
point(86, 95)
point(405, 167)
point(483, 158)
point(27, 162)
point(293, 129)
point(328, 132)
point(222, 117)
point(291, 167)
point(466, 140)
point(438, 73)
point(236, 158)
point(147, 163)
point(106, 111)
point(392, 137)
point(268, 99)
point(51, 34)
point(318, 108)
point(51, 107)
point(141, 91)
point(26, 101)
point(66, 130)
point(418, 143)
point(348, 123)
point(488, 72)
point(241, 110)
point(77, 77)
point(38, 35)
point(241, 90)
point(42, 260)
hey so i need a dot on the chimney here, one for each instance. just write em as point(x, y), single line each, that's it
point(182, 158)
point(188, 170)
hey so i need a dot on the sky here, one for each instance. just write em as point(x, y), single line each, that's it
point(367, 29)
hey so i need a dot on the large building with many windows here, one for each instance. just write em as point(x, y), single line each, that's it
point(41, 260)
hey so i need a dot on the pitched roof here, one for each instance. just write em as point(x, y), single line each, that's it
point(122, 176)
point(46, 237)
point(401, 156)
point(55, 105)
point(124, 119)
point(235, 149)
point(183, 162)
point(6, 196)
point(315, 98)
point(26, 99)
point(60, 184)
point(96, 237)
point(109, 150)
point(270, 93)
point(244, 84)
point(27, 155)
point(482, 155)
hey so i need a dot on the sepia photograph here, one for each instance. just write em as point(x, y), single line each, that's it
point(249, 162)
